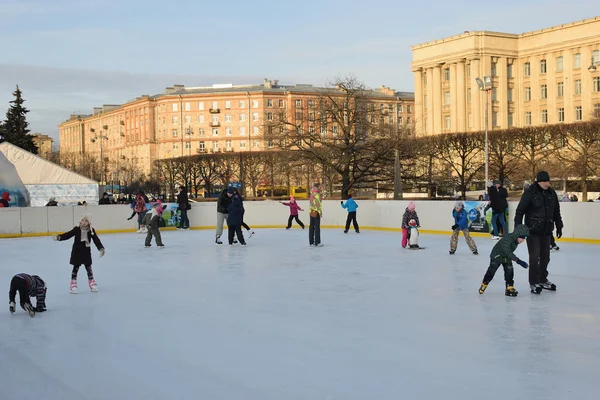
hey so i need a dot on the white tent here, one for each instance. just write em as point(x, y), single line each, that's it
point(11, 183)
point(44, 179)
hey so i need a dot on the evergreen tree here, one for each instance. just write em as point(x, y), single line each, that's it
point(15, 129)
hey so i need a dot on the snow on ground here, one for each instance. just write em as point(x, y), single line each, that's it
point(360, 318)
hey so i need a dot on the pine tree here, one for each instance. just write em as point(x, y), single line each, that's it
point(15, 129)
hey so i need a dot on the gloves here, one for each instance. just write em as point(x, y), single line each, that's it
point(522, 263)
point(101, 252)
point(558, 233)
point(55, 237)
point(341, 202)
point(454, 227)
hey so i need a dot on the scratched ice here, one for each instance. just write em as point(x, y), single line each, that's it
point(360, 318)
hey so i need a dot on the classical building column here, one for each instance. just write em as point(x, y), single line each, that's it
point(429, 104)
point(461, 101)
point(453, 98)
point(436, 110)
point(420, 128)
point(477, 105)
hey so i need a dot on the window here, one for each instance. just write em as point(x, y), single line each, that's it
point(577, 61)
point(188, 145)
point(256, 144)
point(527, 71)
point(215, 119)
point(446, 74)
point(468, 70)
point(400, 108)
point(270, 144)
point(446, 98)
point(173, 107)
point(254, 116)
point(215, 132)
point(408, 109)
point(447, 122)
point(544, 91)
point(242, 104)
point(560, 89)
point(509, 71)
point(281, 103)
point(201, 119)
point(470, 120)
point(228, 144)
point(335, 129)
point(311, 104)
point(227, 118)
point(543, 66)
point(323, 129)
point(242, 144)
point(227, 131)
point(408, 120)
point(561, 115)
point(254, 103)
point(468, 95)
point(544, 116)
point(201, 146)
point(270, 116)
point(559, 64)
point(494, 69)
point(187, 107)
point(201, 106)
point(242, 117)
point(596, 84)
point(298, 103)
point(298, 115)
point(255, 130)
point(175, 146)
point(596, 57)
point(509, 95)
point(174, 120)
point(578, 113)
point(242, 130)
point(201, 131)
point(215, 145)
point(228, 104)
point(511, 121)
point(188, 120)
point(174, 132)
point(528, 118)
point(597, 110)
point(527, 94)
point(494, 118)
point(269, 103)
point(578, 86)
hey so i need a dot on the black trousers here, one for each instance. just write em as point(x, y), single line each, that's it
point(233, 230)
point(539, 258)
point(185, 221)
point(351, 218)
point(88, 269)
point(509, 272)
point(19, 285)
point(245, 226)
point(314, 230)
point(291, 218)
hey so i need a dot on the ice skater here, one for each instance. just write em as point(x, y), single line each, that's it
point(244, 225)
point(235, 213)
point(461, 224)
point(351, 206)
point(27, 286)
point(316, 213)
point(83, 235)
point(294, 208)
point(222, 210)
point(152, 222)
point(409, 214)
point(503, 253)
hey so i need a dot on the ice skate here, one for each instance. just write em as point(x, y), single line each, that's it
point(29, 308)
point(494, 237)
point(319, 245)
point(535, 288)
point(73, 287)
point(162, 246)
point(144, 230)
point(148, 246)
point(483, 287)
point(93, 286)
point(345, 230)
point(217, 241)
point(555, 248)
point(548, 286)
point(12, 307)
point(511, 291)
point(475, 252)
point(452, 252)
point(250, 234)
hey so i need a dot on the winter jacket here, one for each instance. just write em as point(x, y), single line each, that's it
point(182, 200)
point(294, 208)
point(541, 209)
point(460, 219)
point(4, 201)
point(140, 203)
point(81, 254)
point(408, 215)
point(350, 205)
point(498, 199)
point(503, 251)
point(152, 218)
point(235, 211)
point(315, 203)
point(223, 202)
point(37, 289)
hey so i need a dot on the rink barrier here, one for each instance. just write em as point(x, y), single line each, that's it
point(581, 219)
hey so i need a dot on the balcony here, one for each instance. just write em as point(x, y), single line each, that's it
point(229, 150)
point(200, 151)
point(214, 110)
point(214, 124)
point(215, 150)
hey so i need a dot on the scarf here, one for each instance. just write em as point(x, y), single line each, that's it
point(84, 235)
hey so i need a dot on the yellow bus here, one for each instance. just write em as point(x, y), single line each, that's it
point(299, 192)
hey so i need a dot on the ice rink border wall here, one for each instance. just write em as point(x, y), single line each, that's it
point(582, 220)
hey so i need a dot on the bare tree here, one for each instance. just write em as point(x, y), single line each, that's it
point(504, 155)
point(227, 167)
point(167, 171)
point(535, 145)
point(254, 166)
point(208, 171)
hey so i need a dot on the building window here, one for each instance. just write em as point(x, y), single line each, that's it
point(215, 119)
point(446, 74)
point(175, 146)
point(577, 61)
point(446, 98)
point(254, 103)
point(527, 94)
point(242, 144)
point(256, 144)
point(596, 57)
point(494, 69)
point(400, 120)
point(578, 86)
point(298, 103)
point(188, 120)
point(215, 132)
point(311, 104)
point(174, 132)
point(187, 106)
point(511, 121)
point(597, 84)
point(242, 104)
point(447, 122)
point(255, 130)
point(597, 110)
point(227, 118)
point(214, 105)
point(494, 118)
point(228, 104)
point(254, 116)
point(227, 131)
point(201, 106)
point(509, 71)
point(578, 113)
point(173, 107)
point(560, 89)
point(509, 95)
point(408, 120)
point(544, 91)
point(281, 103)
point(215, 145)
point(470, 121)
point(269, 103)
point(409, 109)
point(527, 66)
point(270, 116)
point(188, 145)
point(201, 119)
point(242, 117)
point(559, 64)
point(543, 66)
point(201, 131)
point(242, 130)
point(561, 115)
point(201, 146)
point(228, 144)
point(528, 118)
point(311, 116)
point(544, 116)
point(174, 120)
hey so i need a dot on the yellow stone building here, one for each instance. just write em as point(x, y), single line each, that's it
point(547, 76)
point(43, 143)
point(185, 121)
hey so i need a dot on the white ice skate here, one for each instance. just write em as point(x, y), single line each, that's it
point(93, 286)
point(413, 236)
point(12, 307)
point(73, 287)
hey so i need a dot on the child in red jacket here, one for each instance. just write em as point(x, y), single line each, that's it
point(294, 208)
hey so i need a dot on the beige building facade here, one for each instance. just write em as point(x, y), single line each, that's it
point(186, 121)
point(547, 76)
point(43, 143)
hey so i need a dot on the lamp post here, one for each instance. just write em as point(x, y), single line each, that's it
point(592, 67)
point(101, 137)
point(486, 86)
point(189, 131)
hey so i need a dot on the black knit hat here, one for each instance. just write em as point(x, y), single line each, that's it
point(542, 176)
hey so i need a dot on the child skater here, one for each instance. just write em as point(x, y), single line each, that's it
point(409, 213)
point(27, 286)
point(151, 221)
point(503, 253)
point(83, 235)
point(244, 225)
point(461, 224)
point(294, 208)
point(351, 206)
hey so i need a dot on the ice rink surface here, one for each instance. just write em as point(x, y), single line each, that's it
point(360, 318)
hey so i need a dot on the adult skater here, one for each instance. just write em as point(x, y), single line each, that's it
point(235, 217)
point(497, 196)
point(541, 209)
point(83, 235)
point(222, 211)
point(316, 213)
point(183, 205)
point(351, 206)
point(27, 286)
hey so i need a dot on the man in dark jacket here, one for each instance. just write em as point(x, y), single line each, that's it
point(222, 210)
point(541, 208)
point(104, 200)
point(235, 217)
point(498, 195)
point(183, 204)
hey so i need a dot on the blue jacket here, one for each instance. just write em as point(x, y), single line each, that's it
point(350, 205)
point(235, 211)
point(460, 219)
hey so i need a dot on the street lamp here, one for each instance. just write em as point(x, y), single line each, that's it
point(189, 131)
point(592, 67)
point(101, 137)
point(486, 86)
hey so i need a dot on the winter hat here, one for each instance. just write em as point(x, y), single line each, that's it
point(411, 205)
point(497, 182)
point(230, 190)
point(6, 196)
point(292, 198)
point(349, 196)
point(542, 176)
point(458, 204)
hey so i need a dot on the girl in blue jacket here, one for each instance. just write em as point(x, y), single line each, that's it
point(461, 224)
point(351, 206)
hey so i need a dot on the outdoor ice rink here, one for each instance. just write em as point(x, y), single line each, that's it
point(360, 318)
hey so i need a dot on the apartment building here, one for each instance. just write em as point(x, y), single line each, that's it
point(547, 76)
point(43, 143)
point(185, 121)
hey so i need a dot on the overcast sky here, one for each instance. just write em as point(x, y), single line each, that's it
point(72, 55)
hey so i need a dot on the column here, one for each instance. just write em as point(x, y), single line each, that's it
point(476, 94)
point(501, 93)
point(461, 101)
point(436, 110)
point(420, 128)
point(453, 98)
point(429, 111)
